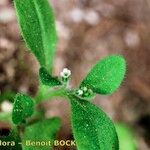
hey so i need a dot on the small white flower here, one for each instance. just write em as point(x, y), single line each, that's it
point(79, 92)
point(65, 73)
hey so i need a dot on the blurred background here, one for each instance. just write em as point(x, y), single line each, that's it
point(88, 30)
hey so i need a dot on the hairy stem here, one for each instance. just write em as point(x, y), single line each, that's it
point(46, 94)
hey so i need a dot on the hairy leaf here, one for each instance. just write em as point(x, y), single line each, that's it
point(106, 76)
point(126, 137)
point(23, 107)
point(47, 79)
point(37, 27)
point(44, 130)
point(92, 129)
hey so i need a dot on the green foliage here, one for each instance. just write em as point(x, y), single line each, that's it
point(23, 107)
point(92, 129)
point(44, 130)
point(47, 79)
point(37, 26)
point(84, 93)
point(12, 137)
point(106, 76)
point(126, 138)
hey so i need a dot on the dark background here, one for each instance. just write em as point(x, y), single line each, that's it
point(88, 30)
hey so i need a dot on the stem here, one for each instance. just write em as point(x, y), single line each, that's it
point(56, 93)
point(45, 94)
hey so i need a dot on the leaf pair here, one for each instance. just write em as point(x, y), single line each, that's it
point(91, 127)
point(104, 78)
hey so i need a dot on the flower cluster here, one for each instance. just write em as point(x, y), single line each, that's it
point(84, 92)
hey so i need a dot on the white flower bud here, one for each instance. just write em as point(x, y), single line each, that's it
point(65, 73)
point(79, 92)
point(84, 89)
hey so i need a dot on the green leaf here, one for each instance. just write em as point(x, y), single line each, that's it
point(23, 108)
point(106, 76)
point(47, 79)
point(36, 21)
point(44, 130)
point(92, 129)
point(126, 137)
point(13, 139)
